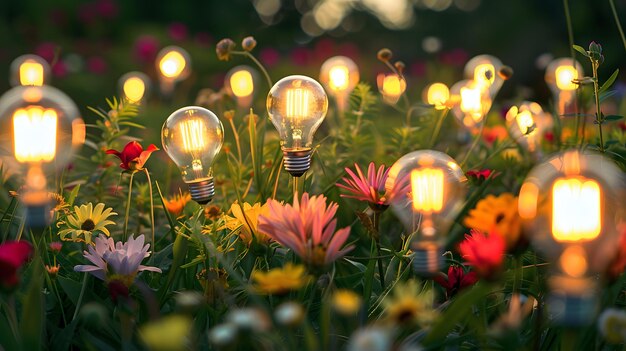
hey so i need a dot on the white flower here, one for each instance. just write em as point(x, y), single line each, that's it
point(612, 325)
point(370, 339)
point(122, 260)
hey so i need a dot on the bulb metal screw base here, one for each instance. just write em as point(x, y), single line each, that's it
point(38, 216)
point(297, 162)
point(571, 310)
point(427, 261)
point(202, 192)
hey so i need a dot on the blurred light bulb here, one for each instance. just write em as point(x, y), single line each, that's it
point(173, 64)
point(428, 190)
point(240, 83)
point(559, 76)
point(527, 123)
point(471, 102)
point(297, 106)
point(30, 70)
point(571, 206)
point(485, 71)
point(40, 130)
point(437, 94)
point(134, 86)
point(192, 137)
point(391, 86)
point(339, 75)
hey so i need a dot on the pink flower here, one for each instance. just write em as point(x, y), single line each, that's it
point(13, 254)
point(96, 65)
point(370, 188)
point(269, 57)
point(55, 246)
point(300, 56)
point(177, 31)
point(107, 9)
point(456, 57)
point(479, 176)
point(485, 253)
point(59, 69)
point(133, 156)
point(308, 228)
point(456, 280)
point(146, 48)
point(46, 50)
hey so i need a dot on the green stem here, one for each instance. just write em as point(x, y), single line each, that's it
point(80, 296)
point(295, 186)
point(500, 148)
point(261, 67)
point(381, 271)
point(151, 207)
point(130, 192)
point(236, 135)
point(619, 25)
point(570, 31)
point(596, 93)
point(474, 143)
point(442, 117)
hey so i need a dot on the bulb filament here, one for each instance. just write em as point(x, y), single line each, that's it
point(427, 190)
point(576, 213)
point(34, 134)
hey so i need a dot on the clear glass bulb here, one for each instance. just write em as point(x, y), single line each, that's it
point(559, 76)
point(297, 106)
point(527, 123)
point(471, 103)
point(134, 87)
point(571, 207)
point(436, 94)
point(339, 75)
point(40, 131)
point(29, 70)
point(173, 64)
point(484, 70)
point(391, 86)
point(240, 83)
point(428, 190)
point(192, 137)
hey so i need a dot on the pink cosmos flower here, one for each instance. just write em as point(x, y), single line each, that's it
point(485, 253)
point(456, 280)
point(308, 228)
point(120, 261)
point(370, 188)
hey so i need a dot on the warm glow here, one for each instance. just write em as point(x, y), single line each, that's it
point(471, 104)
point(172, 64)
point(297, 103)
point(525, 121)
point(35, 134)
point(339, 78)
point(192, 132)
point(576, 203)
point(484, 74)
point(241, 83)
point(427, 189)
point(527, 202)
point(134, 88)
point(31, 73)
point(393, 85)
point(564, 77)
point(438, 94)
point(573, 261)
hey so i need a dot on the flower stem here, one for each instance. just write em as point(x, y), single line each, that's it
point(259, 64)
point(151, 206)
point(570, 31)
point(130, 192)
point(442, 117)
point(619, 25)
point(474, 143)
point(80, 296)
point(596, 93)
point(236, 135)
point(381, 272)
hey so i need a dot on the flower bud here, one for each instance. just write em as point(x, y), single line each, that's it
point(505, 72)
point(53, 271)
point(384, 55)
point(248, 43)
point(230, 114)
point(595, 48)
point(224, 48)
point(400, 66)
point(55, 247)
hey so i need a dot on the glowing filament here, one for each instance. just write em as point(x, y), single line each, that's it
point(192, 133)
point(484, 74)
point(31, 73)
point(525, 121)
point(134, 88)
point(172, 64)
point(34, 134)
point(427, 189)
point(576, 209)
point(471, 104)
point(438, 94)
point(241, 83)
point(393, 85)
point(339, 78)
point(297, 103)
point(564, 77)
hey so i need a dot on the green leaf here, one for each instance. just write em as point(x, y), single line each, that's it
point(73, 194)
point(609, 81)
point(613, 118)
point(33, 319)
point(581, 50)
point(607, 94)
point(179, 253)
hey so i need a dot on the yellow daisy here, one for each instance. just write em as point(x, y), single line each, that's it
point(407, 305)
point(85, 222)
point(346, 302)
point(280, 280)
point(497, 213)
point(247, 221)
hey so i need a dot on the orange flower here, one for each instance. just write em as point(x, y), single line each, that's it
point(176, 203)
point(497, 213)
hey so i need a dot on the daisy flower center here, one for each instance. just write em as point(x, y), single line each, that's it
point(88, 225)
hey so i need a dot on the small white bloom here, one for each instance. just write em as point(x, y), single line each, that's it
point(612, 325)
point(371, 339)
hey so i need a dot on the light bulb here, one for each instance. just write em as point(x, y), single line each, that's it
point(192, 137)
point(485, 71)
point(30, 70)
point(527, 123)
point(173, 64)
point(559, 76)
point(471, 103)
point(297, 106)
point(391, 86)
point(40, 130)
point(436, 94)
point(571, 207)
point(240, 83)
point(428, 190)
point(339, 75)
point(134, 86)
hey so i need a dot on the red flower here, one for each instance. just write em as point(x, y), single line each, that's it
point(13, 254)
point(485, 253)
point(479, 175)
point(456, 280)
point(133, 156)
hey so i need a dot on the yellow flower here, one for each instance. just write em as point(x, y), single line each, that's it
point(85, 222)
point(346, 302)
point(248, 224)
point(280, 280)
point(407, 305)
point(497, 213)
point(176, 204)
point(167, 334)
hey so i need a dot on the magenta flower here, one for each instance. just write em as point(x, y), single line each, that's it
point(97, 65)
point(308, 228)
point(146, 48)
point(485, 253)
point(177, 31)
point(370, 188)
point(13, 255)
point(456, 280)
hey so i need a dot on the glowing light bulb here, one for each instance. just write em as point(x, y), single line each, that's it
point(527, 123)
point(240, 83)
point(427, 192)
point(471, 102)
point(40, 130)
point(173, 64)
point(391, 86)
point(134, 86)
point(297, 106)
point(571, 206)
point(484, 70)
point(339, 75)
point(29, 70)
point(437, 94)
point(559, 76)
point(192, 137)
